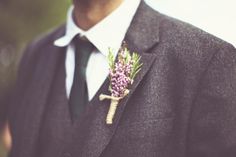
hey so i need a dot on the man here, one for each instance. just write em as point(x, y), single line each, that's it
point(182, 103)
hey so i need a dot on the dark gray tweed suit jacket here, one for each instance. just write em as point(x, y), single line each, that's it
point(182, 104)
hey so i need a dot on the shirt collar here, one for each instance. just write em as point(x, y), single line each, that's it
point(108, 33)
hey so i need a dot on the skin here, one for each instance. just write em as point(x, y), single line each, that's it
point(6, 138)
point(88, 13)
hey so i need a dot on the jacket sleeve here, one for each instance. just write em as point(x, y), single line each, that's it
point(25, 61)
point(212, 124)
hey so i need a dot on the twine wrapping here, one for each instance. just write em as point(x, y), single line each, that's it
point(113, 106)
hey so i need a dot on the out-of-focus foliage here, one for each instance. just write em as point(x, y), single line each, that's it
point(20, 22)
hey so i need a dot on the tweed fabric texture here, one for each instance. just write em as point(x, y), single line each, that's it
point(182, 104)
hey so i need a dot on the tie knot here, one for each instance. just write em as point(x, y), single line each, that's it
point(83, 45)
point(83, 49)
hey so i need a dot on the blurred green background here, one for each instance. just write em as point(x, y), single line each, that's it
point(20, 22)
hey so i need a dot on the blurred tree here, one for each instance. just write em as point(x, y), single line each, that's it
point(20, 22)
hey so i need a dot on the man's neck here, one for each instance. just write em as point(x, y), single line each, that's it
point(88, 13)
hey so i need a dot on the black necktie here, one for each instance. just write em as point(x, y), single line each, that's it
point(79, 93)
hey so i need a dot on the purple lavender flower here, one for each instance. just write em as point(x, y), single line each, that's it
point(123, 71)
point(119, 79)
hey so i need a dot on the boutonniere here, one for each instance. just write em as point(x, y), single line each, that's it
point(121, 75)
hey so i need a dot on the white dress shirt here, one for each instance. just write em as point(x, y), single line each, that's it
point(108, 33)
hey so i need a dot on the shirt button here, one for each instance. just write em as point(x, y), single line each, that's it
point(66, 155)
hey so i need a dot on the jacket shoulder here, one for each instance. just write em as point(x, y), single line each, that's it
point(32, 50)
point(188, 44)
point(187, 49)
point(48, 38)
point(183, 34)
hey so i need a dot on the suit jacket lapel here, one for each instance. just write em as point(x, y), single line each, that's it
point(94, 134)
point(34, 99)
